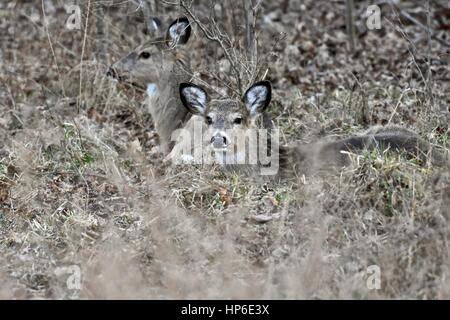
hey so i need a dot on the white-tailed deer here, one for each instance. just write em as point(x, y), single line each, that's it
point(231, 121)
point(159, 66)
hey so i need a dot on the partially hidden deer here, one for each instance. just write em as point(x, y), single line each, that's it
point(229, 121)
point(159, 66)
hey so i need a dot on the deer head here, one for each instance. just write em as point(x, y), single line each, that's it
point(151, 61)
point(228, 121)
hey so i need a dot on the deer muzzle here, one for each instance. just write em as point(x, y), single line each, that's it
point(219, 141)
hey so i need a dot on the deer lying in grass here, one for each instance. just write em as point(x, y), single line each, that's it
point(159, 66)
point(229, 122)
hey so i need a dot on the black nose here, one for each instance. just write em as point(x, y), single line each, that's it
point(111, 73)
point(219, 141)
point(218, 138)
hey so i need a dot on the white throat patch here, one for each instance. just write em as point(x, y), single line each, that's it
point(151, 89)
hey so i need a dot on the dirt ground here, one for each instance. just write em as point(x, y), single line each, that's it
point(88, 210)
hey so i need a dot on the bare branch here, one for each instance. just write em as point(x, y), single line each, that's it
point(217, 37)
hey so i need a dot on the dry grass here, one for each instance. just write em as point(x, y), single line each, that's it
point(81, 185)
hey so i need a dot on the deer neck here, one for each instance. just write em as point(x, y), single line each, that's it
point(174, 69)
point(164, 103)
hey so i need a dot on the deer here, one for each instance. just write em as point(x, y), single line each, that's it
point(158, 66)
point(228, 122)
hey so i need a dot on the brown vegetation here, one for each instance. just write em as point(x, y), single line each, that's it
point(82, 185)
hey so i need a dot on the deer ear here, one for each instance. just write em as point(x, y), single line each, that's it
point(154, 24)
point(193, 98)
point(257, 97)
point(179, 31)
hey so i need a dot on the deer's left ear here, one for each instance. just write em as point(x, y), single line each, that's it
point(257, 97)
point(179, 31)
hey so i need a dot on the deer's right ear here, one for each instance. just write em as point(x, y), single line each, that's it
point(193, 98)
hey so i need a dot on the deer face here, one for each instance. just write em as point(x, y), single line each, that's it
point(148, 62)
point(227, 119)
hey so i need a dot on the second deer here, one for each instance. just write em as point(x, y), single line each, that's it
point(159, 66)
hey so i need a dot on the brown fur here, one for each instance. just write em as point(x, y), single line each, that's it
point(310, 158)
point(166, 67)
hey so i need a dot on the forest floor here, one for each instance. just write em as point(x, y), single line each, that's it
point(87, 211)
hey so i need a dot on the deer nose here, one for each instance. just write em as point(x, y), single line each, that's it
point(111, 73)
point(219, 141)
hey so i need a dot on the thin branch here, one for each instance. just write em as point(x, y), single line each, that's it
point(429, 75)
point(350, 23)
point(82, 50)
point(423, 27)
point(216, 38)
point(51, 45)
point(249, 30)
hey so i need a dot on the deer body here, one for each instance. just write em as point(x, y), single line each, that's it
point(158, 67)
point(229, 121)
point(310, 158)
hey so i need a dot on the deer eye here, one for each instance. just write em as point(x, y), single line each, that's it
point(144, 55)
point(237, 121)
point(209, 120)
